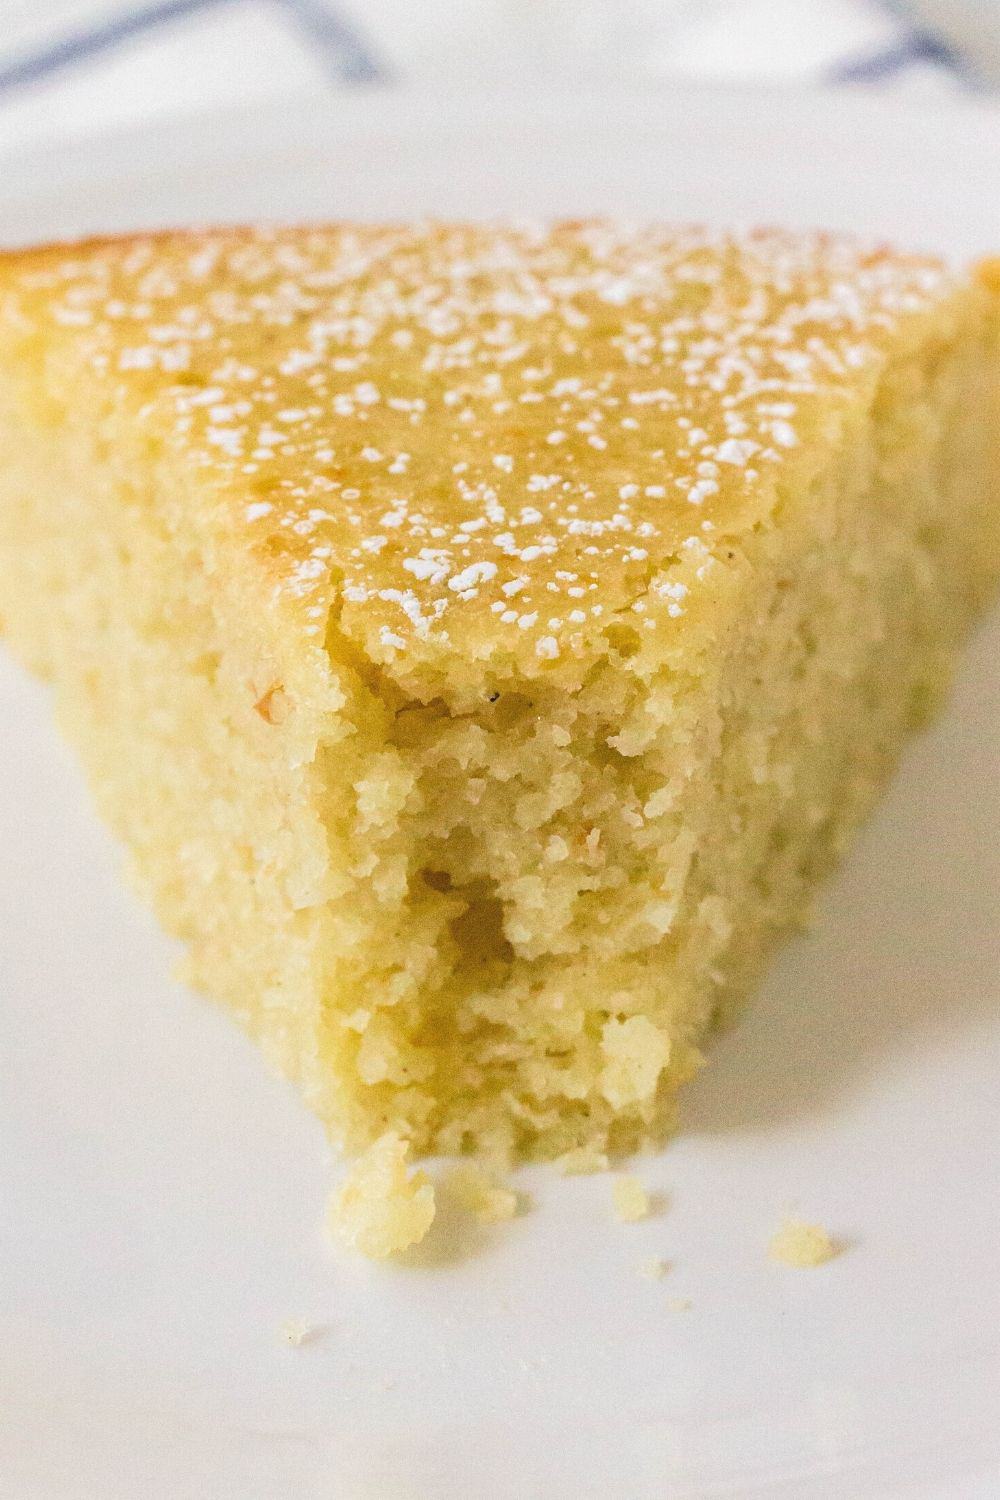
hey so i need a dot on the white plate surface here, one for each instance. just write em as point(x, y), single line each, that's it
point(161, 1194)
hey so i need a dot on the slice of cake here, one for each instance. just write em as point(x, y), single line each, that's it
point(483, 638)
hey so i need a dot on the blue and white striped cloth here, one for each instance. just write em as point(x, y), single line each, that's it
point(72, 67)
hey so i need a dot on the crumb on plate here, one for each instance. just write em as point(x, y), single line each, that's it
point(295, 1331)
point(631, 1200)
point(382, 1208)
point(799, 1244)
point(480, 1194)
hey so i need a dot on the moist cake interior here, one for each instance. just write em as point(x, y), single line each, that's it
point(483, 639)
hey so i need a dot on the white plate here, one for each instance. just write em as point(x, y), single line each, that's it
point(161, 1194)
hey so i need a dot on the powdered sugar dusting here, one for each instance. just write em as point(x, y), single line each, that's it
point(471, 437)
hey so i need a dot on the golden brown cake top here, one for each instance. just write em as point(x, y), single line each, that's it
point(478, 443)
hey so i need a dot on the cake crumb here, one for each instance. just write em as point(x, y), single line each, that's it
point(382, 1209)
point(635, 1054)
point(654, 1269)
point(481, 1195)
point(581, 1161)
point(631, 1200)
point(295, 1332)
point(680, 1304)
point(800, 1244)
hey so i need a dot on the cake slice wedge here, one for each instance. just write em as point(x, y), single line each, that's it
point(483, 638)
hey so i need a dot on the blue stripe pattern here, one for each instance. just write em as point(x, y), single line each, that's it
point(890, 61)
point(349, 59)
point(345, 53)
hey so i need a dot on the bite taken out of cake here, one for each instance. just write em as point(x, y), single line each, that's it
point(483, 638)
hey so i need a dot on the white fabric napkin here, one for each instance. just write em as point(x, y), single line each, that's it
point(73, 67)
